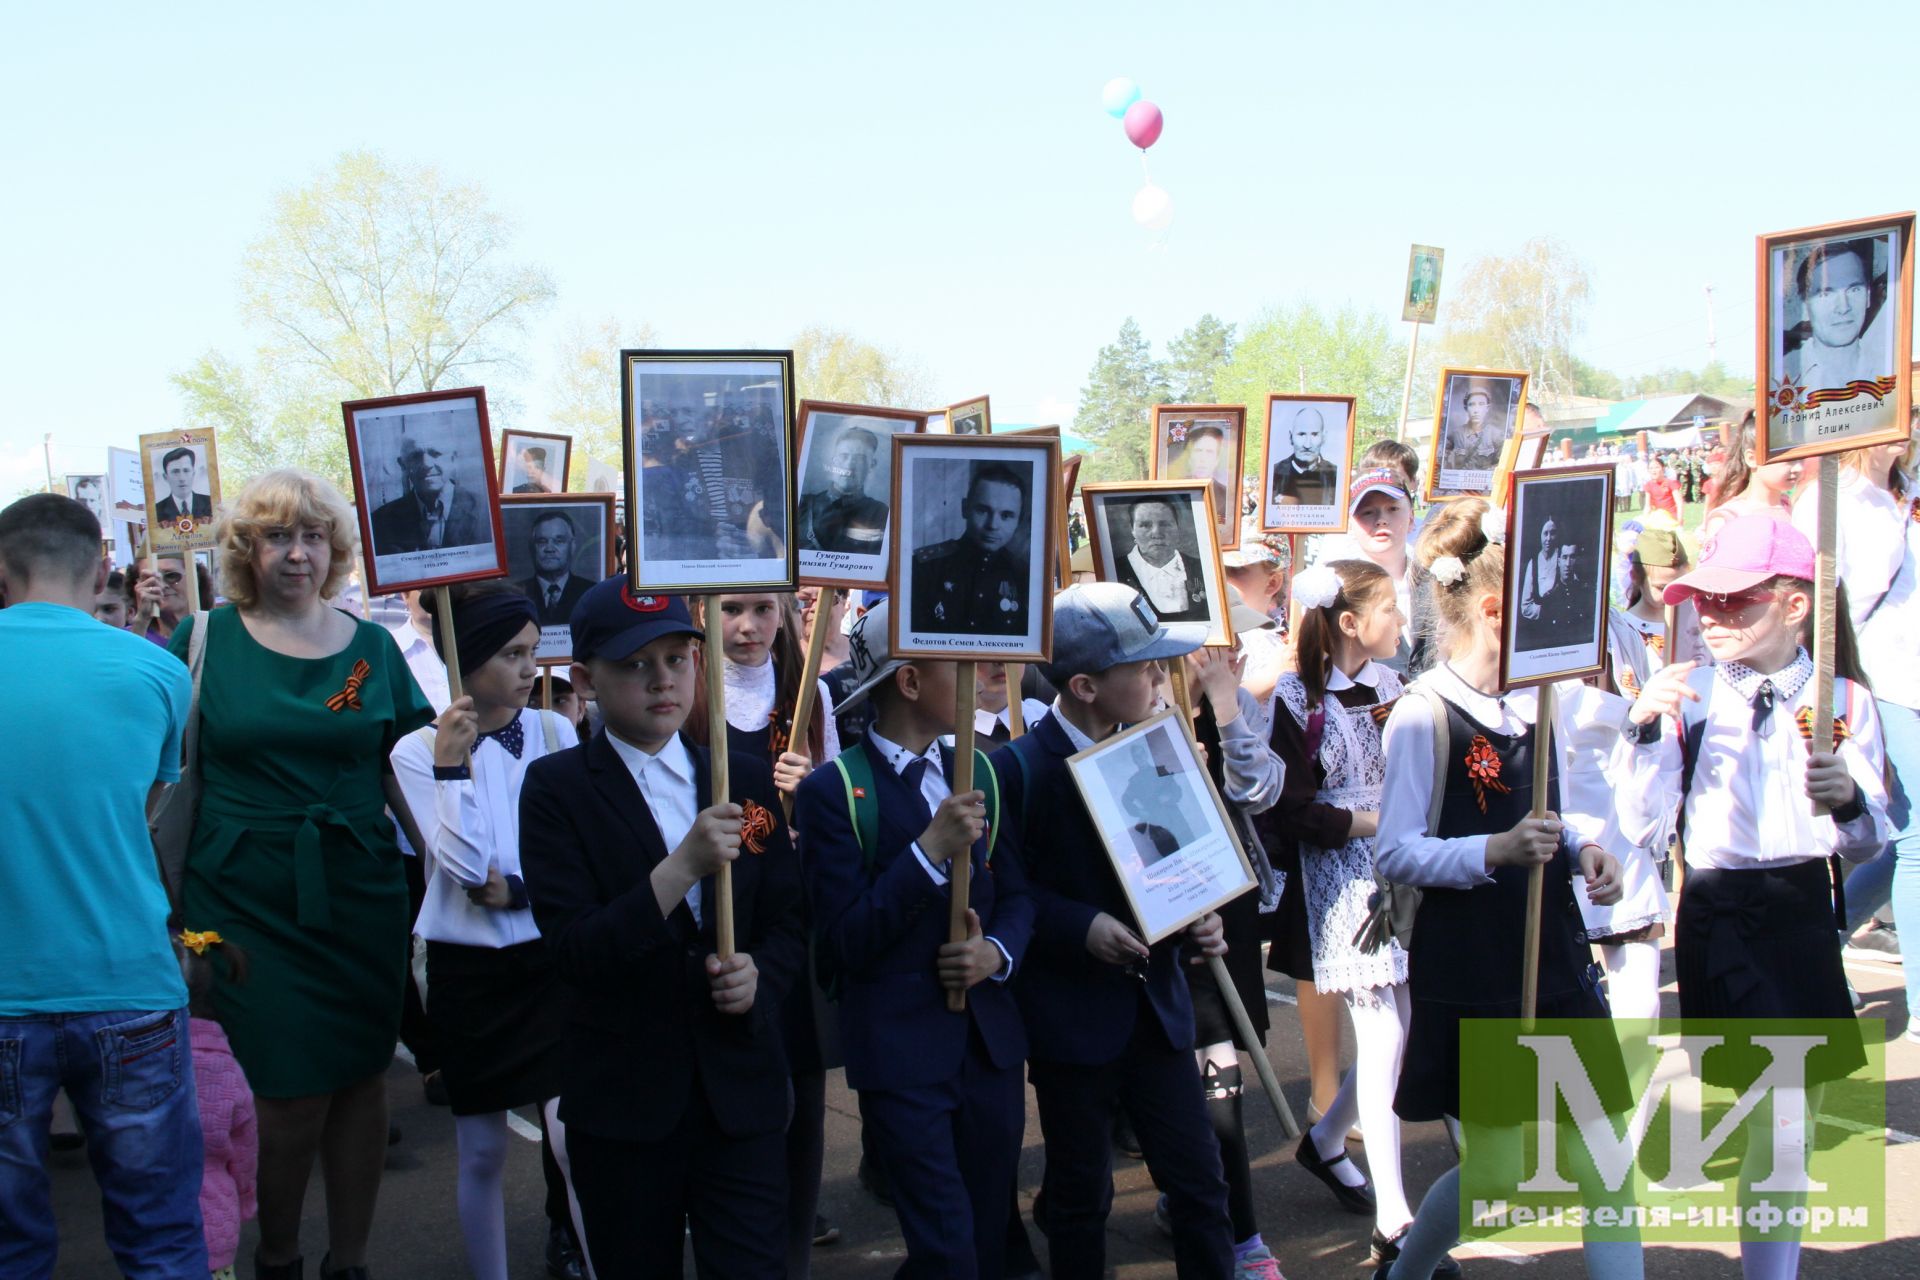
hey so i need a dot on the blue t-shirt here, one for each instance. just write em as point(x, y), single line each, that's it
point(96, 715)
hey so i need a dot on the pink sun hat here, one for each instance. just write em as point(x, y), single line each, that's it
point(1745, 552)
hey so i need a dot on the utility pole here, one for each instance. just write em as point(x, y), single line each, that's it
point(1713, 341)
point(46, 442)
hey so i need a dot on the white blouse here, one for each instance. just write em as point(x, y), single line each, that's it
point(750, 693)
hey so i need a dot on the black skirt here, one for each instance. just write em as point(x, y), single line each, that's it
point(498, 1014)
point(1760, 943)
point(1291, 951)
point(1212, 1023)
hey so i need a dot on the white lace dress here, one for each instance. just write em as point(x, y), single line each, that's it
point(1340, 881)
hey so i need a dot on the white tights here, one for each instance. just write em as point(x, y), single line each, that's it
point(1633, 978)
point(482, 1143)
point(1380, 1018)
point(1778, 1258)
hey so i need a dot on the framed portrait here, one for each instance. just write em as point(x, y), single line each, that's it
point(1559, 541)
point(557, 547)
point(1835, 337)
point(1063, 554)
point(534, 462)
point(841, 526)
point(708, 447)
point(974, 537)
point(937, 423)
point(1157, 537)
point(91, 493)
point(1476, 413)
point(970, 418)
point(1163, 825)
point(1306, 464)
point(182, 472)
point(1421, 302)
point(429, 505)
point(1204, 442)
point(127, 484)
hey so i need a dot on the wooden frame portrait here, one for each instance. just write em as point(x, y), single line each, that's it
point(527, 462)
point(90, 491)
point(429, 499)
point(974, 540)
point(1310, 498)
point(182, 475)
point(842, 523)
point(1178, 446)
point(1174, 519)
point(1835, 337)
point(708, 448)
point(1527, 451)
point(1164, 826)
point(1063, 555)
point(1559, 550)
point(558, 546)
point(1470, 444)
point(1420, 301)
point(970, 418)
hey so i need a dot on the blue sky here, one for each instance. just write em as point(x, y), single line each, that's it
point(940, 181)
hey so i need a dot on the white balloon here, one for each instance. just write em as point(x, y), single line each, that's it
point(1153, 208)
point(1117, 95)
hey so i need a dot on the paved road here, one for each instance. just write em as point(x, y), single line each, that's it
point(416, 1238)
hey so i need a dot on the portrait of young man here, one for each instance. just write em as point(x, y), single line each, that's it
point(977, 582)
point(178, 468)
point(844, 515)
point(1845, 335)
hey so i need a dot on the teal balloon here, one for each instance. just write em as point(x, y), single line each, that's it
point(1119, 94)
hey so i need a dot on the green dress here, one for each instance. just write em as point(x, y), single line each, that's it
point(293, 855)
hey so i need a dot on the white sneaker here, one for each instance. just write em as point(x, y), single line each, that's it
point(1258, 1265)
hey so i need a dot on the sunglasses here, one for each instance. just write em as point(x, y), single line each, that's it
point(1735, 602)
point(171, 579)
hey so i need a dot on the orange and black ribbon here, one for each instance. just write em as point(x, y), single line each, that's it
point(348, 699)
point(756, 824)
point(1804, 719)
point(1483, 770)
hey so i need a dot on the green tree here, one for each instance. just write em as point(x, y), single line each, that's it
point(832, 364)
point(1300, 348)
point(1195, 357)
point(1117, 404)
point(583, 395)
point(1520, 311)
point(1591, 380)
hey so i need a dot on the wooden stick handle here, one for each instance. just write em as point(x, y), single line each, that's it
point(192, 583)
point(1182, 695)
point(443, 606)
point(546, 688)
point(960, 866)
point(1672, 655)
point(1826, 605)
point(1263, 1067)
point(1016, 709)
point(713, 656)
point(1537, 876)
point(808, 695)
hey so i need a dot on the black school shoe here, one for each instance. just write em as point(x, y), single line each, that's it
point(1353, 1199)
point(345, 1273)
point(563, 1256)
point(1386, 1252)
point(282, 1271)
point(1123, 1140)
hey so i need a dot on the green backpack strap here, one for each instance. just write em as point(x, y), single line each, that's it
point(863, 807)
point(988, 781)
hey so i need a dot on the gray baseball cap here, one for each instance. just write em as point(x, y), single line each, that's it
point(867, 652)
point(1098, 625)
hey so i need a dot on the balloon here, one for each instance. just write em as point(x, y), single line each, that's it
point(1143, 124)
point(1153, 208)
point(1119, 94)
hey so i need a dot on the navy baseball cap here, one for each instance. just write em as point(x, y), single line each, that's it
point(614, 621)
point(1098, 625)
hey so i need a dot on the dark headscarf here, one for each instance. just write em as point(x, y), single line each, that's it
point(484, 625)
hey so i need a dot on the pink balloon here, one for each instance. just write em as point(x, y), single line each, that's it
point(1143, 124)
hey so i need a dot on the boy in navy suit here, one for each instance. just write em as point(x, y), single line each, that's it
point(940, 1092)
point(676, 1099)
point(1109, 1019)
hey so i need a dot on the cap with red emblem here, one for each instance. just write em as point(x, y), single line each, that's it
point(614, 621)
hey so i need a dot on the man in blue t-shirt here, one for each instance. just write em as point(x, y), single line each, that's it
point(91, 998)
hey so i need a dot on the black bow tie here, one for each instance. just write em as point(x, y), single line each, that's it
point(1762, 704)
point(509, 735)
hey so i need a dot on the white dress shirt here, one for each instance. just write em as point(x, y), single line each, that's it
point(428, 671)
point(1747, 806)
point(470, 825)
point(1031, 709)
point(666, 783)
point(1165, 586)
point(1879, 560)
point(750, 694)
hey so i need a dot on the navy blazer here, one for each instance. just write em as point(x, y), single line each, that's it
point(880, 932)
point(1078, 1009)
point(642, 1029)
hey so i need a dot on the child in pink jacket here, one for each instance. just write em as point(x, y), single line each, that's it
point(226, 1105)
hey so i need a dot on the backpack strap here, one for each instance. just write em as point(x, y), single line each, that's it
point(1442, 736)
point(863, 807)
point(988, 781)
point(548, 732)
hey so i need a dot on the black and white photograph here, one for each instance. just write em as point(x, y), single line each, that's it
point(557, 547)
point(1163, 825)
point(126, 485)
point(423, 472)
point(970, 418)
point(534, 462)
point(1836, 337)
point(183, 488)
point(1203, 442)
point(1559, 541)
point(1422, 300)
point(974, 532)
point(1157, 537)
point(846, 492)
point(708, 452)
point(1308, 457)
point(91, 493)
point(1477, 413)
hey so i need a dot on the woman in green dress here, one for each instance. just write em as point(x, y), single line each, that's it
point(294, 858)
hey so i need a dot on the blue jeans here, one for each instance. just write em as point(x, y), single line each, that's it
point(130, 1076)
point(1896, 871)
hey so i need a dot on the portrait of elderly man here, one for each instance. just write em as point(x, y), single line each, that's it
point(1475, 444)
point(1303, 476)
point(1844, 334)
point(1168, 577)
point(977, 583)
point(844, 516)
point(177, 469)
point(554, 587)
point(533, 465)
point(433, 512)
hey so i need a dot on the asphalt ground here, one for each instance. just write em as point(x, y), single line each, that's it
point(416, 1236)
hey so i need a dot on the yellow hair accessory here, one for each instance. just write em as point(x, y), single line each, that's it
point(199, 942)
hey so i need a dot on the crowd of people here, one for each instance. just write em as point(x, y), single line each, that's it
point(283, 846)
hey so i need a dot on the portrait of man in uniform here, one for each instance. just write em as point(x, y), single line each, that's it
point(178, 468)
point(844, 516)
point(978, 581)
point(1477, 414)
